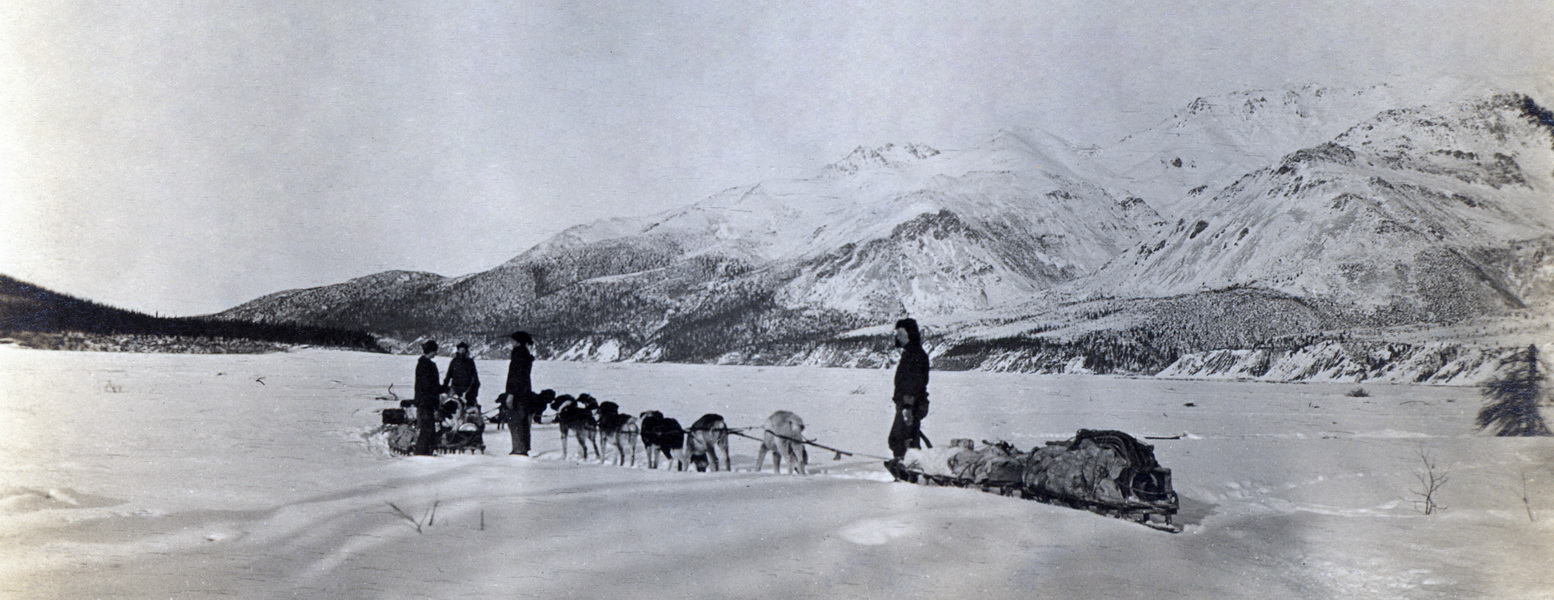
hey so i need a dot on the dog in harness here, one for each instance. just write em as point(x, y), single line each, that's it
point(619, 430)
point(662, 434)
point(785, 439)
point(575, 416)
point(706, 441)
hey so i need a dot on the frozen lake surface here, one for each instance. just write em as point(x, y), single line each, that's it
point(199, 476)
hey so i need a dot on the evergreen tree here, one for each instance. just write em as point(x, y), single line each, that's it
point(1513, 398)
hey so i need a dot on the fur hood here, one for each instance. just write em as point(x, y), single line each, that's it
point(913, 335)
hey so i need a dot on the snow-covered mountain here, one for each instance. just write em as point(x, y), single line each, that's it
point(1429, 213)
point(897, 229)
point(883, 233)
point(1215, 140)
point(1331, 208)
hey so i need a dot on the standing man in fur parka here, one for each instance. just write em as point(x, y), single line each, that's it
point(463, 379)
point(519, 390)
point(911, 395)
point(427, 392)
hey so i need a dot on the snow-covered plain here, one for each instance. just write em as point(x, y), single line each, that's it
point(179, 476)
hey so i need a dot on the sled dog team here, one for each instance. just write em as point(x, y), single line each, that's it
point(705, 443)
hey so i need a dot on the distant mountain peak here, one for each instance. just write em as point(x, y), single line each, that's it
point(864, 158)
point(1410, 213)
point(1297, 100)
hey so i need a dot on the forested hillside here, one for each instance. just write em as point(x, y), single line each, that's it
point(40, 317)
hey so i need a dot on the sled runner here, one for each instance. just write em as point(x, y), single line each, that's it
point(460, 428)
point(1105, 472)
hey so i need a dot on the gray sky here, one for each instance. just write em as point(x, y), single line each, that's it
point(185, 157)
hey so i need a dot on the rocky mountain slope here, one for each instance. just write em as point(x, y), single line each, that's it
point(1425, 214)
point(1256, 219)
point(1215, 140)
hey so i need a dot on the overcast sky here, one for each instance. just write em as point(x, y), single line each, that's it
point(183, 157)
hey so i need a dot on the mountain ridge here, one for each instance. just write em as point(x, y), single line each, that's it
point(1405, 214)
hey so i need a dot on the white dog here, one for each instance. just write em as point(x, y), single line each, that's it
point(784, 438)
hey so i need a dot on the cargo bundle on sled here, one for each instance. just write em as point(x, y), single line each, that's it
point(1106, 472)
point(460, 427)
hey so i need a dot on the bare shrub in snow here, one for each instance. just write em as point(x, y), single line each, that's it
point(426, 521)
point(1431, 480)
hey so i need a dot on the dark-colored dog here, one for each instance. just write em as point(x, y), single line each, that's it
point(706, 441)
point(575, 416)
point(503, 410)
point(662, 434)
point(538, 403)
point(618, 429)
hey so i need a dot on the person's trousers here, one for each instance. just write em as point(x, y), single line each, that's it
point(426, 426)
point(518, 428)
point(903, 432)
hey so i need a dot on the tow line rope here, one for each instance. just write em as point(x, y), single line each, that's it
point(740, 431)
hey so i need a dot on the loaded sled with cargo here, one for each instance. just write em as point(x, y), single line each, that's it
point(460, 427)
point(1106, 472)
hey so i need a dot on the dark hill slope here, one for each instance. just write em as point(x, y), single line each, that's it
point(27, 308)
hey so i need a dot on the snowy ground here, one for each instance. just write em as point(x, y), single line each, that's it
point(176, 476)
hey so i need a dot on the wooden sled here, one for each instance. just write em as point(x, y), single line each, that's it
point(1142, 491)
point(467, 437)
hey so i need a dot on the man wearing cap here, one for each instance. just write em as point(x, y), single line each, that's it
point(519, 389)
point(427, 389)
point(462, 378)
point(911, 394)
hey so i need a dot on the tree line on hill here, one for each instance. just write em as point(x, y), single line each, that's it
point(27, 308)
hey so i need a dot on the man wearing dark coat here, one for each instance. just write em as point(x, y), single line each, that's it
point(911, 394)
point(427, 390)
point(462, 378)
point(519, 389)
